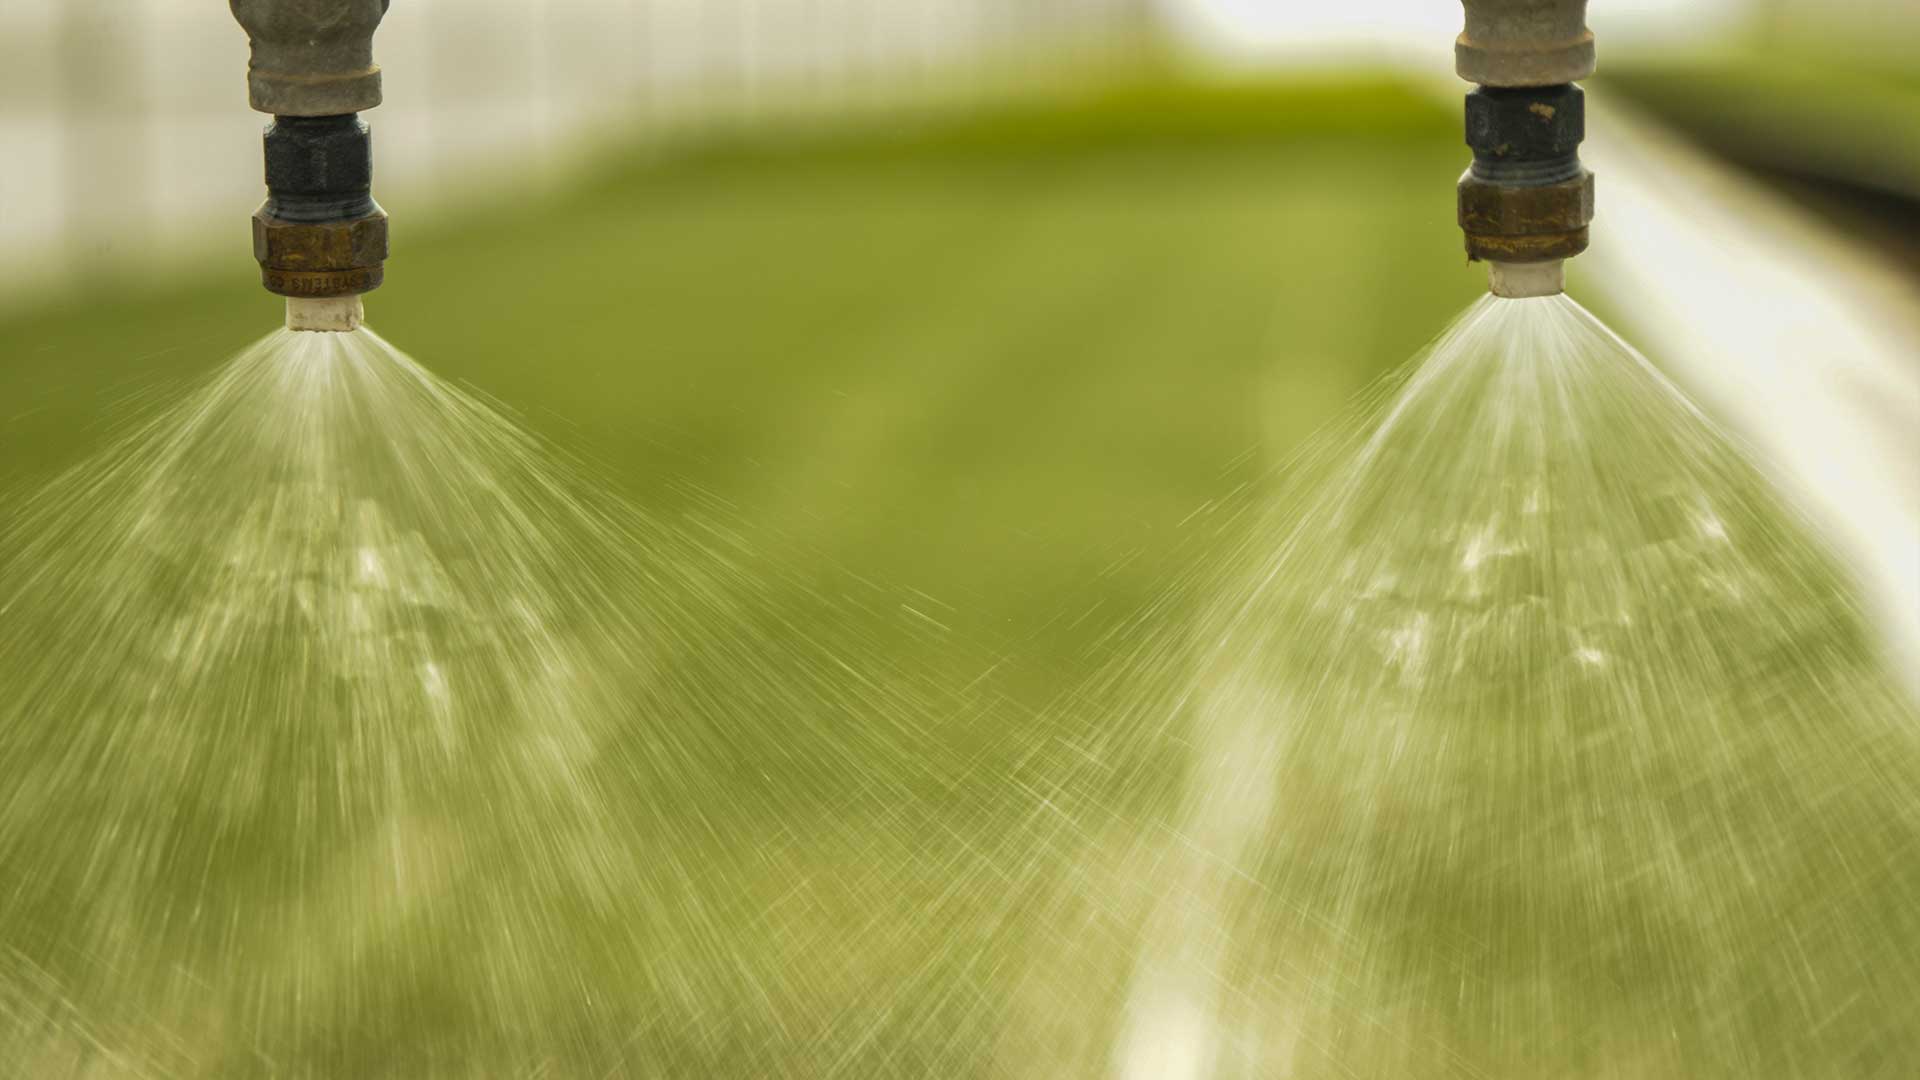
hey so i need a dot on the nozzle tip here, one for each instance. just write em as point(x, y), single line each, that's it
point(334, 314)
point(1521, 281)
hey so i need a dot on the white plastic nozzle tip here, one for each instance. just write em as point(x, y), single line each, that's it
point(1519, 281)
point(335, 314)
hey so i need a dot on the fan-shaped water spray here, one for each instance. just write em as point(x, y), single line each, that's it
point(348, 731)
point(1530, 737)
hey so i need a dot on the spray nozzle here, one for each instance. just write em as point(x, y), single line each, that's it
point(1526, 198)
point(320, 235)
point(1527, 201)
point(320, 238)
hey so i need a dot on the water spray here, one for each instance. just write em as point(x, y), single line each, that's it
point(320, 238)
point(1526, 201)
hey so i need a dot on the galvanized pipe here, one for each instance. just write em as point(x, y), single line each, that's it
point(1524, 43)
point(311, 57)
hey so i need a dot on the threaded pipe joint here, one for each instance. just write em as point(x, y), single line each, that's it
point(1526, 197)
point(320, 234)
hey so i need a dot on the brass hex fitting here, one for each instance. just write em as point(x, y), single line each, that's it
point(1525, 224)
point(321, 259)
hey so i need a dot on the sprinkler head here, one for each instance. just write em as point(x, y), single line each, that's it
point(1521, 281)
point(1526, 202)
point(320, 259)
point(337, 315)
point(320, 235)
point(1526, 198)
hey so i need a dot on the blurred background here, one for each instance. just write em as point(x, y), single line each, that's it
point(984, 294)
point(977, 318)
point(125, 138)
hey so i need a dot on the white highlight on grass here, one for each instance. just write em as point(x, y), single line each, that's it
point(1533, 677)
point(1804, 343)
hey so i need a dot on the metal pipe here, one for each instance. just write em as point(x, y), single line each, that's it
point(320, 238)
point(1526, 202)
point(1524, 43)
point(311, 57)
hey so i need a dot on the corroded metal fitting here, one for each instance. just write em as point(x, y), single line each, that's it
point(320, 259)
point(1526, 224)
point(1526, 198)
point(1524, 43)
point(311, 57)
point(320, 234)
